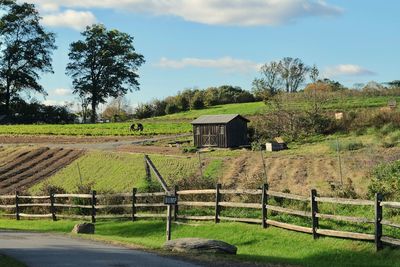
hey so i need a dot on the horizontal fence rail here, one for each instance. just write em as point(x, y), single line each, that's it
point(136, 205)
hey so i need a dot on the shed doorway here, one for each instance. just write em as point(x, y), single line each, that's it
point(210, 135)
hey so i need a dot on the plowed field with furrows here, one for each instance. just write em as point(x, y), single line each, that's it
point(22, 167)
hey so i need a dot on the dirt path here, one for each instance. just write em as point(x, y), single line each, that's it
point(89, 143)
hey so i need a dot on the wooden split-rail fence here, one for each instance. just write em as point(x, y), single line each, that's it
point(138, 201)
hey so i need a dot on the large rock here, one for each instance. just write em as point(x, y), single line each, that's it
point(83, 228)
point(199, 245)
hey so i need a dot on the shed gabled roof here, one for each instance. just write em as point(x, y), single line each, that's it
point(217, 119)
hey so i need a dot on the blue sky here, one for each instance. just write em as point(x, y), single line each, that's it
point(202, 43)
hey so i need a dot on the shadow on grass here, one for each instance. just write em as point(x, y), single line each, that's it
point(129, 229)
point(335, 258)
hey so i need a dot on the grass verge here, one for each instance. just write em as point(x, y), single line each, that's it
point(9, 262)
point(254, 244)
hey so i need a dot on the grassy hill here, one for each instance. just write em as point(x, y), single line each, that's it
point(179, 123)
point(252, 108)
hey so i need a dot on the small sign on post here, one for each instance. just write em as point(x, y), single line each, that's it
point(169, 201)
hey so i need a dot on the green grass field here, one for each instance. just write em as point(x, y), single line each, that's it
point(9, 262)
point(271, 245)
point(99, 129)
point(121, 172)
point(180, 122)
point(245, 109)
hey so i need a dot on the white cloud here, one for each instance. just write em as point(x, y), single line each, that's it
point(347, 70)
point(77, 20)
point(214, 12)
point(228, 64)
point(62, 92)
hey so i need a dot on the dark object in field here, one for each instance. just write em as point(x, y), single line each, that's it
point(200, 245)
point(83, 228)
point(139, 127)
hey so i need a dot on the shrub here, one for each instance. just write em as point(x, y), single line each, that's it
point(83, 189)
point(189, 149)
point(385, 179)
point(350, 145)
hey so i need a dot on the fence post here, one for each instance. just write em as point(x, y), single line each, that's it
point(314, 211)
point(176, 208)
point(168, 230)
point(52, 208)
point(134, 190)
point(264, 202)
point(17, 206)
point(93, 206)
point(378, 220)
point(147, 169)
point(217, 200)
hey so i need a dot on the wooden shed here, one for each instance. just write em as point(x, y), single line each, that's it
point(220, 131)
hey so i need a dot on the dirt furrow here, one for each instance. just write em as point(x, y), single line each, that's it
point(30, 164)
point(45, 172)
point(22, 159)
point(9, 155)
point(36, 169)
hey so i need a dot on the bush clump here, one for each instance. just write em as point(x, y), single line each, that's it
point(189, 149)
point(386, 180)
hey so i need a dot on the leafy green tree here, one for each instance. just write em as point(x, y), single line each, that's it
point(158, 107)
point(143, 111)
point(171, 108)
point(197, 101)
point(25, 50)
point(394, 84)
point(103, 65)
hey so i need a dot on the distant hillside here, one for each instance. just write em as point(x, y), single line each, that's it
point(252, 108)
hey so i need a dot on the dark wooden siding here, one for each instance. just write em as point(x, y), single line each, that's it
point(237, 133)
point(210, 135)
point(231, 134)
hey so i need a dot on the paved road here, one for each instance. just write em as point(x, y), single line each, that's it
point(47, 250)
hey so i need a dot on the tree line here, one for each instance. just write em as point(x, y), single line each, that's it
point(190, 99)
point(104, 64)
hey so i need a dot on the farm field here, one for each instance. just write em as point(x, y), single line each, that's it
point(99, 129)
point(120, 172)
point(297, 170)
point(179, 123)
point(271, 245)
point(22, 167)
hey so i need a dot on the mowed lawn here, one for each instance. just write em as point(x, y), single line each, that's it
point(271, 245)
